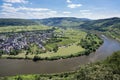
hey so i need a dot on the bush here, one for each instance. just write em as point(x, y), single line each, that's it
point(36, 58)
point(55, 49)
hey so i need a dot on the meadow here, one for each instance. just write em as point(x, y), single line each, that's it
point(23, 28)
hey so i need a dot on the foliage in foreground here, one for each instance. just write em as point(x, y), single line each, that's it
point(104, 70)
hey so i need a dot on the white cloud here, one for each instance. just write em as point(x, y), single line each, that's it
point(30, 15)
point(84, 10)
point(86, 13)
point(9, 11)
point(7, 4)
point(74, 5)
point(66, 12)
point(68, 1)
point(32, 9)
point(16, 1)
point(55, 12)
point(7, 7)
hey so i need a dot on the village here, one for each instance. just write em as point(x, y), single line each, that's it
point(21, 40)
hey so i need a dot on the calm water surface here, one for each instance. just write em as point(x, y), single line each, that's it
point(10, 67)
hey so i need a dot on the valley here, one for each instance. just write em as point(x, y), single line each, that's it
point(58, 51)
point(59, 40)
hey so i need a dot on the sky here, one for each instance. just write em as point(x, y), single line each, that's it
point(39, 9)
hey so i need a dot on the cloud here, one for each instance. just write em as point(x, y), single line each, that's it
point(66, 12)
point(68, 1)
point(84, 11)
point(7, 7)
point(30, 15)
point(74, 5)
point(7, 4)
point(9, 11)
point(87, 13)
point(16, 1)
point(32, 9)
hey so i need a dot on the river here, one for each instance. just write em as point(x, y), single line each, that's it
point(10, 67)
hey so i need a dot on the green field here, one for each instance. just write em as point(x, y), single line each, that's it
point(23, 28)
point(62, 51)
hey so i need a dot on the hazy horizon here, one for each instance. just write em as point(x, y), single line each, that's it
point(60, 17)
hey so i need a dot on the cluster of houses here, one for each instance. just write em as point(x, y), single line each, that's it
point(22, 40)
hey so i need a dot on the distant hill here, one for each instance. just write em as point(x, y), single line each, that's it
point(16, 22)
point(102, 24)
point(110, 26)
point(57, 21)
point(62, 21)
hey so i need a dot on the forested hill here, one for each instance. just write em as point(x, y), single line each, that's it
point(16, 22)
point(62, 21)
point(57, 21)
point(110, 26)
point(102, 24)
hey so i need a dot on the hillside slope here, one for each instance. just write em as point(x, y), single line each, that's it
point(110, 26)
point(62, 21)
point(102, 24)
point(16, 22)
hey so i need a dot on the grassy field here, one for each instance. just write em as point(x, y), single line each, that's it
point(67, 37)
point(62, 51)
point(23, 28)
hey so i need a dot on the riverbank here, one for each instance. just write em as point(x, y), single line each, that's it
point(112, 35)
point(91, 71)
